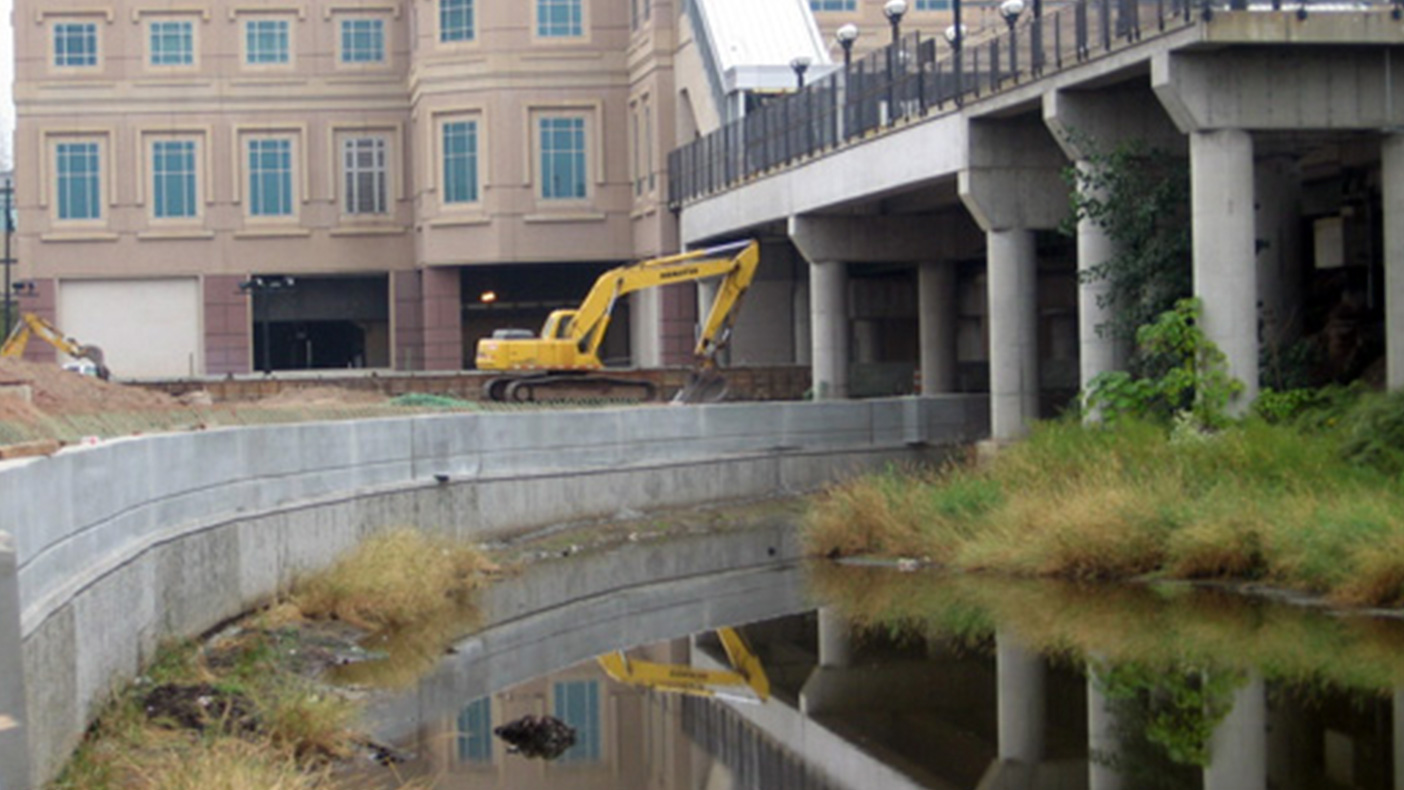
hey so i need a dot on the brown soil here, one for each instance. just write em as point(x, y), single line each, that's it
point(58, 391)
point(322, 396)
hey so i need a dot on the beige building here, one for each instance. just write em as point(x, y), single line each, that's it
point(222, 187)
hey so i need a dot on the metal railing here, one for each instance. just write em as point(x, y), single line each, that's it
point(919, 75)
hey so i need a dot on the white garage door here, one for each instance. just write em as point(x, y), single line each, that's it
point(146, 328)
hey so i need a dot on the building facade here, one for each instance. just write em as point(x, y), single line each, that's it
point(331, 184)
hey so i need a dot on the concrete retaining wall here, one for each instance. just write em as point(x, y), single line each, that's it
point(121, 544)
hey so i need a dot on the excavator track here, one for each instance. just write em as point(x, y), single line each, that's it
point(546, 387)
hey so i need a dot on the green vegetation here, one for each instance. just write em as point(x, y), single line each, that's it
point(250, 710)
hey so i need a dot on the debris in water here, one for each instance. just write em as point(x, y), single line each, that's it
point(546, 737)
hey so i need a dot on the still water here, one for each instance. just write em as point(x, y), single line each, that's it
point(881, 679)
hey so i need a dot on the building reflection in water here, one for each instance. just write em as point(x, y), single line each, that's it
point(880, 710)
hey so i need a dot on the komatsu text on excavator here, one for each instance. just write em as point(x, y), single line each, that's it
point(31, 325)
point(566, 354)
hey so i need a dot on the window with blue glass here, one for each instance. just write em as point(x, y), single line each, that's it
point(475, 732)
point(173, 179)
point(559, 18)
point(456, 20)
point(75, 44)
point(577, 703)
point(562, 148)
point(362, 41)
point(933, 5)
point(79, 167)
point(172, 43)
point(364, 174)
point(266, 42)
point(270, 177)
point(832, 5)
point(461, 162)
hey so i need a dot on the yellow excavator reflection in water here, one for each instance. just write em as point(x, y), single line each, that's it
point(745, 682)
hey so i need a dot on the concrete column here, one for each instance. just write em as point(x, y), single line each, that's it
point(1013, 308)
point(804, 337)
point(1098, 353)
point(1277, 195)
point(1238, 747)
point(867, 341)
point(1399, 738)
point(1101, 738)
point(1020, 676)
point(646, 328)
point(835, 644)
point(443, 319)
point(14, 746)
point(936, 315)
point(1225, 269)
point(1392, 177)
point(828, 311)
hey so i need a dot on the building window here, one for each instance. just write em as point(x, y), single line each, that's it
point(75, 44)
point(456, 20)
point(362, 41)
point(79, 167)
point(475, 732)
point(460, 162)
point(933, 5)
point(832, 5)
point(173, 179)
point(562, 149)
point(648, 141)
point(172, 43)
point(559, 18)
point(577, 703)
point(363, 171)
point(266, 42)
point(270, 177)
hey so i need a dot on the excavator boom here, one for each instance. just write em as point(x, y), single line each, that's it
point(31, 325)
point(569, 343)
point(745, 682)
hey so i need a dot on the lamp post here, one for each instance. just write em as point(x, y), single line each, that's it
point(955, 36)
point(1010, 10)
point(266, 285)
point(846, 35)
point(800, 65)
point(8, 190)
point(893, 10)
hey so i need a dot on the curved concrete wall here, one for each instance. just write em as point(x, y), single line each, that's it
point(121, 544)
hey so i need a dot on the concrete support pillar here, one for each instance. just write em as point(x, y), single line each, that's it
point(1225, 269)
point(1238, 747)
point(1392, 177)
point(1098, 352)
point(1277, 190)
point(14, 746)
point(1013, 317)
point(835, 642)
point(867, 341)
point(646, 328)
point(936, 315)
point(828, 311)
point(1101, 738)
point(1020, 676)
point(1399, 738)
point(804, 336)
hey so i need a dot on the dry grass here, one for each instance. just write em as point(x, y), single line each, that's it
point(1254, 502)
point(226, 764)
point(393, 580)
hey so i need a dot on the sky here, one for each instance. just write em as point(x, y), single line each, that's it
point(7, 80)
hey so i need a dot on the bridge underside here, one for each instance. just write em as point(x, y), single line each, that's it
point(941, 247)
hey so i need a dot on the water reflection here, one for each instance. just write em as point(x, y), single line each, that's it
point(918, 680)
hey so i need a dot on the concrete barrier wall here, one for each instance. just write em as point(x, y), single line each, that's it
point(121, 544)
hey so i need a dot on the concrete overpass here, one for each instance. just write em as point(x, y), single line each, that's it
point(928, 156)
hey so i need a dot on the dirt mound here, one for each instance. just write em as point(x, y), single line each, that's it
point(58, 391)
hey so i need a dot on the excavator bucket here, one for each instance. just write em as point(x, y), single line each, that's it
point(703, 386)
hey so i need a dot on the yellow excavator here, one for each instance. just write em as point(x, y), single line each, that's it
point(31, 325)
point(566, 353)
point(745, 682)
